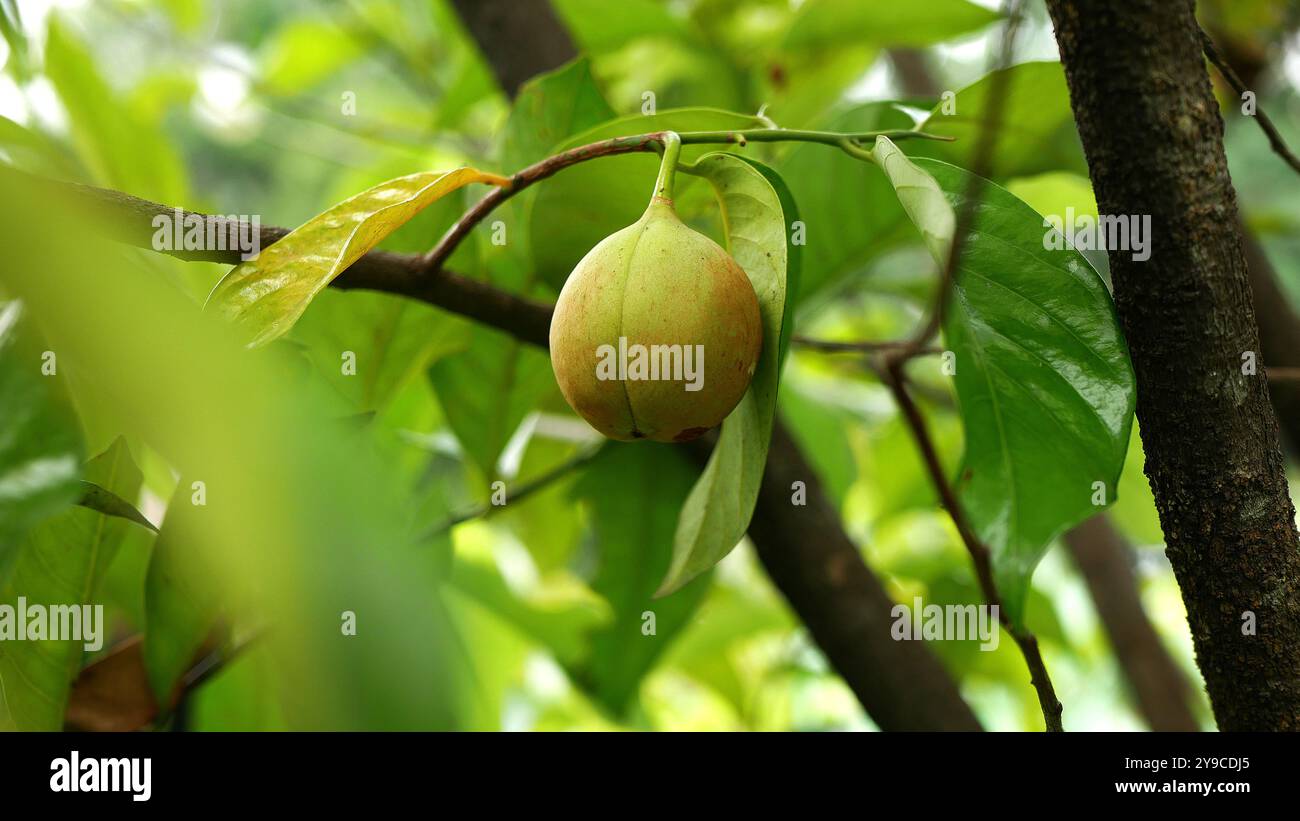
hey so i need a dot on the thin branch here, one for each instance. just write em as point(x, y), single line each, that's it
point(652, 141)
point(869, 346)
point(890, 365)
point(980, 554)
point(1266, 125)
point(1282, 374)
point(519, 493)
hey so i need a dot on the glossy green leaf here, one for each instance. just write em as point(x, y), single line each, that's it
point(267, 294)
point(634, 493)
point(588, 202)
point(60, 564)
point(40, 442)
point(1042, 371)
point(717, 512)
point(180, 594)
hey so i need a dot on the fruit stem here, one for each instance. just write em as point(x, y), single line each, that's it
point(672, 144)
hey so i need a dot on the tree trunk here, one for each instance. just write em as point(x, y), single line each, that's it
point(1154, 142)
point(519, 38)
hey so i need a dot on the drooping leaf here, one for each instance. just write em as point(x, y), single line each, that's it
point(634, 493)
point(921, 197)
point(718, 510)
point(97, 497)
point(1043, 375)
point(60, 565)
point(40, 443)
point(794, 250)
point(267, 294)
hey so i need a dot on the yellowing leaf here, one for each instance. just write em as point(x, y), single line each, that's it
point(268, 294)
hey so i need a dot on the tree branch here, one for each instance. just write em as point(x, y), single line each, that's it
point(831, 589)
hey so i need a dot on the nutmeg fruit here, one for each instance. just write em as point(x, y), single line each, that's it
point(657, 331)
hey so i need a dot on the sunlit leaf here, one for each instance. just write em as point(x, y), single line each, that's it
point(267, 294)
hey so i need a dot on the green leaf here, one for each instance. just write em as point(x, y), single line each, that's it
point(123, 148)
point(835, 190)
point(1036, 131)
point(921, 198)
point(558, 618)
point(302, 53)
point(634, 493)
point(267, 294)
point(393, 339)
point(180, 596)
point(487, 390)
point(719, 508)
point(823, 23)
point(1042, 370)
point(588, 202)
point(40, 442)
point(549, 109)
point(97, 497)
point(794, 252)
point(60, 565)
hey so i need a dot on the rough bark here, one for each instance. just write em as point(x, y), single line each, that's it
point(1154, 142)
point(519, 38)
point(1159, 687)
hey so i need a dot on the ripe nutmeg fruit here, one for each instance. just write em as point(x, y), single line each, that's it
point(657, 331)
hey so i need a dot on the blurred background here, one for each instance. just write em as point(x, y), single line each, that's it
point(283, 109)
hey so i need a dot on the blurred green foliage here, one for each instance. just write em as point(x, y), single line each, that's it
point(326, 492)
